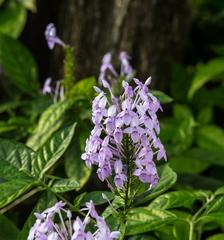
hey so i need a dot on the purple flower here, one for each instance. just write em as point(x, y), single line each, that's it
point(130, 117)
point(47, 228)
point(51, 36)
point(107, 69)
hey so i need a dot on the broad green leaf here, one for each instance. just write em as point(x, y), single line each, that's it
point(205, 73)
point(15, 167)
point(181, 230)
point(217, 205)
point(83, 89)
point(65, 185)
point(188, 163)
point(219, 191)
point(12, 19)
point(210, 137)
point(1, 2)
point(15, 160)
point(167, 179)
point(18, 64)
point(140, 220)
point(10, 190)
point(217, 217)
point(97, 198)
point(173, 200)
point(46, 200)
point(50, 121)
point(9, 230)
point(163, 98)
point(52, 150)
point(219, 236)
point(205, 156)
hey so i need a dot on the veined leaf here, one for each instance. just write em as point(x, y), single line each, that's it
point(205, 73)
point(140, 220)
point(216, 217)
point(65, 185)
point(10, 190)
point(173, 200)
point(52, 150)
point(18, 64)
point(50, 121)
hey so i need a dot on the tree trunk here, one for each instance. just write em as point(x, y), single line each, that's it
point(153, 32)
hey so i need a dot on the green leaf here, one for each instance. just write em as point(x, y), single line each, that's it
point(219, 236)
point(65, 185)
point(50, 121)
point(173, 200)
point(18, 64)
point(205, 156)
point(29, 4)
point(52, 150)
point(167, 179)
point(9, 230)
point(181, 230)
point(12, 19)
point(205, 115)
point(15, 159)
point(10, 190)
point(217, 205)
point(188, 162)
point(75, 167)
point(83, 89)
point(96, 197)
point(163, 98)
point(217, 217)
point(15, 167)
point(219, 191)
point(205, 73)
point(210, 137)
point(140, 220)
point(46, 200)
point(142, 237)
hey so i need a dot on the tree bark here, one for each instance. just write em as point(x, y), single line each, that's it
point(153, 32)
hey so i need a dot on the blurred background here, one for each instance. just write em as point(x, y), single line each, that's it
point(179, 43)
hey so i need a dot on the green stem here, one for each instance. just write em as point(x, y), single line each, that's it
point(196, 215)
point(19, 200)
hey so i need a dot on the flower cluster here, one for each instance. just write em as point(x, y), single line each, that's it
point(46, 228)
point(124, 139)
point(57, 91)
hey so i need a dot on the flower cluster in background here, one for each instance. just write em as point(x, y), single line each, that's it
point(125, 131)
point(57, 92)
point(46, 227)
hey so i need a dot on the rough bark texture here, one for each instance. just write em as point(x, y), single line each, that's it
point(153, 32)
